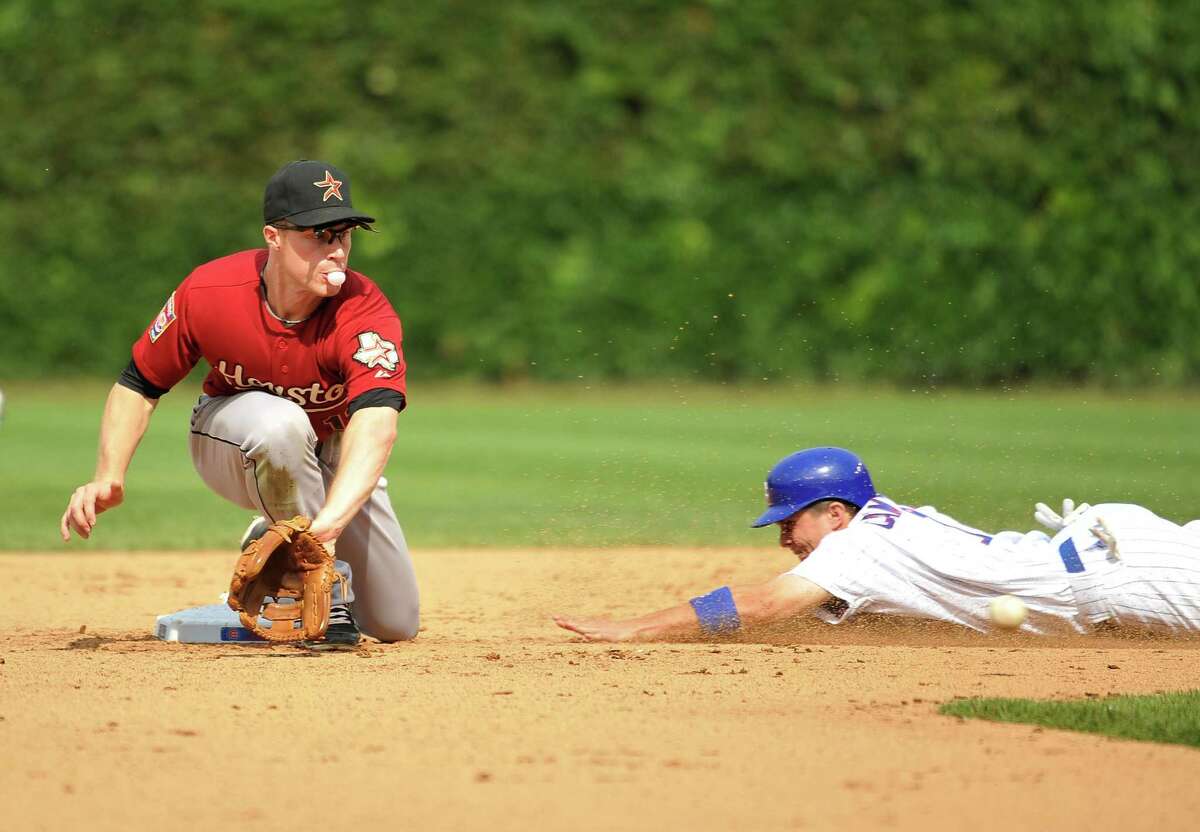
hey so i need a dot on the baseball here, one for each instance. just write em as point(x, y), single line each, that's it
point(1008, 613)
point(336, 278)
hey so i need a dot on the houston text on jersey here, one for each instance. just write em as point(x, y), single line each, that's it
point(313, 398)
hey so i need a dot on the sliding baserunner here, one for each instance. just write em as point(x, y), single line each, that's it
point(861, 552)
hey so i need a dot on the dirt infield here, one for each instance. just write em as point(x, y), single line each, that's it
point(494, 719)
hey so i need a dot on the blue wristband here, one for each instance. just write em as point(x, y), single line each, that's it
point(717, 612)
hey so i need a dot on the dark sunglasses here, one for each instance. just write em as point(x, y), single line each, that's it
point(324, 234)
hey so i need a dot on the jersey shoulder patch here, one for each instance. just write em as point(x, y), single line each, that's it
point(376, 351)
point(165, 318)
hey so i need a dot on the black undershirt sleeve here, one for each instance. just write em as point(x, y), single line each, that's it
point(132, 378)
point(377, 397)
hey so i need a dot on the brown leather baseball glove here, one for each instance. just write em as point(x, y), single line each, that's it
point(285, 563)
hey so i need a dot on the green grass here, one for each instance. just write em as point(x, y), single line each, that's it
point(670, 465)
point(1168, 717)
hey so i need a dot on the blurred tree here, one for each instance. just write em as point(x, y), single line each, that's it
point(931, 192)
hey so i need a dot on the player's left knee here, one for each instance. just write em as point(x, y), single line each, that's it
point(397, 634)
point(400, 625)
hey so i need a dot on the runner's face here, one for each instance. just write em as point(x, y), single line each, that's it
point(308, 257)
point(805, 529)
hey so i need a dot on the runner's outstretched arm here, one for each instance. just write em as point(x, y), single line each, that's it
point(722, 611)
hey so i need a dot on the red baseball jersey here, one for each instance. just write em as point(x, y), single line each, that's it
point(349, 346)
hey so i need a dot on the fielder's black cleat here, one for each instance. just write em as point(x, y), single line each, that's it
point(342, 634)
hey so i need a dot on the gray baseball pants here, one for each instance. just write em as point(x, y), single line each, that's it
point(260, 452)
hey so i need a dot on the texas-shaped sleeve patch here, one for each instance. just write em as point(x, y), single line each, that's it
point(375, 351)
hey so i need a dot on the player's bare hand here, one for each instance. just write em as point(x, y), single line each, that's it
point(597, 629)
point(86, 503)
point(323, 530)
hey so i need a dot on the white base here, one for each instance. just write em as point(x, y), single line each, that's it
point(210, 624)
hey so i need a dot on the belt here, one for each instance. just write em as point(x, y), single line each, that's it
point(1091, 600)
point(1070, 556)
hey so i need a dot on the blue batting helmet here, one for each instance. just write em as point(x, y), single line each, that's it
point(809, 476)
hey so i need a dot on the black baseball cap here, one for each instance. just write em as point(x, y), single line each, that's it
point(309, 193)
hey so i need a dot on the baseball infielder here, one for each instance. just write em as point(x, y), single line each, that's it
point(861, 552)
point(300, 406)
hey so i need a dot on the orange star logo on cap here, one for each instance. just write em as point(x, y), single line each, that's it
point(333, 187)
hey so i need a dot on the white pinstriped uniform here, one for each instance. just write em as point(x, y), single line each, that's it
point(1151, 576)
point(918, 562)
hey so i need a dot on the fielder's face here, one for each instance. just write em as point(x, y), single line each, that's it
point(806, 528)
point(307, 257)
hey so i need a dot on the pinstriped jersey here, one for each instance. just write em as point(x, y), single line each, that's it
point(919, 562)
point(1130, 566)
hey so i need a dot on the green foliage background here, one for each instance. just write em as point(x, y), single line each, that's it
point(939, 192)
